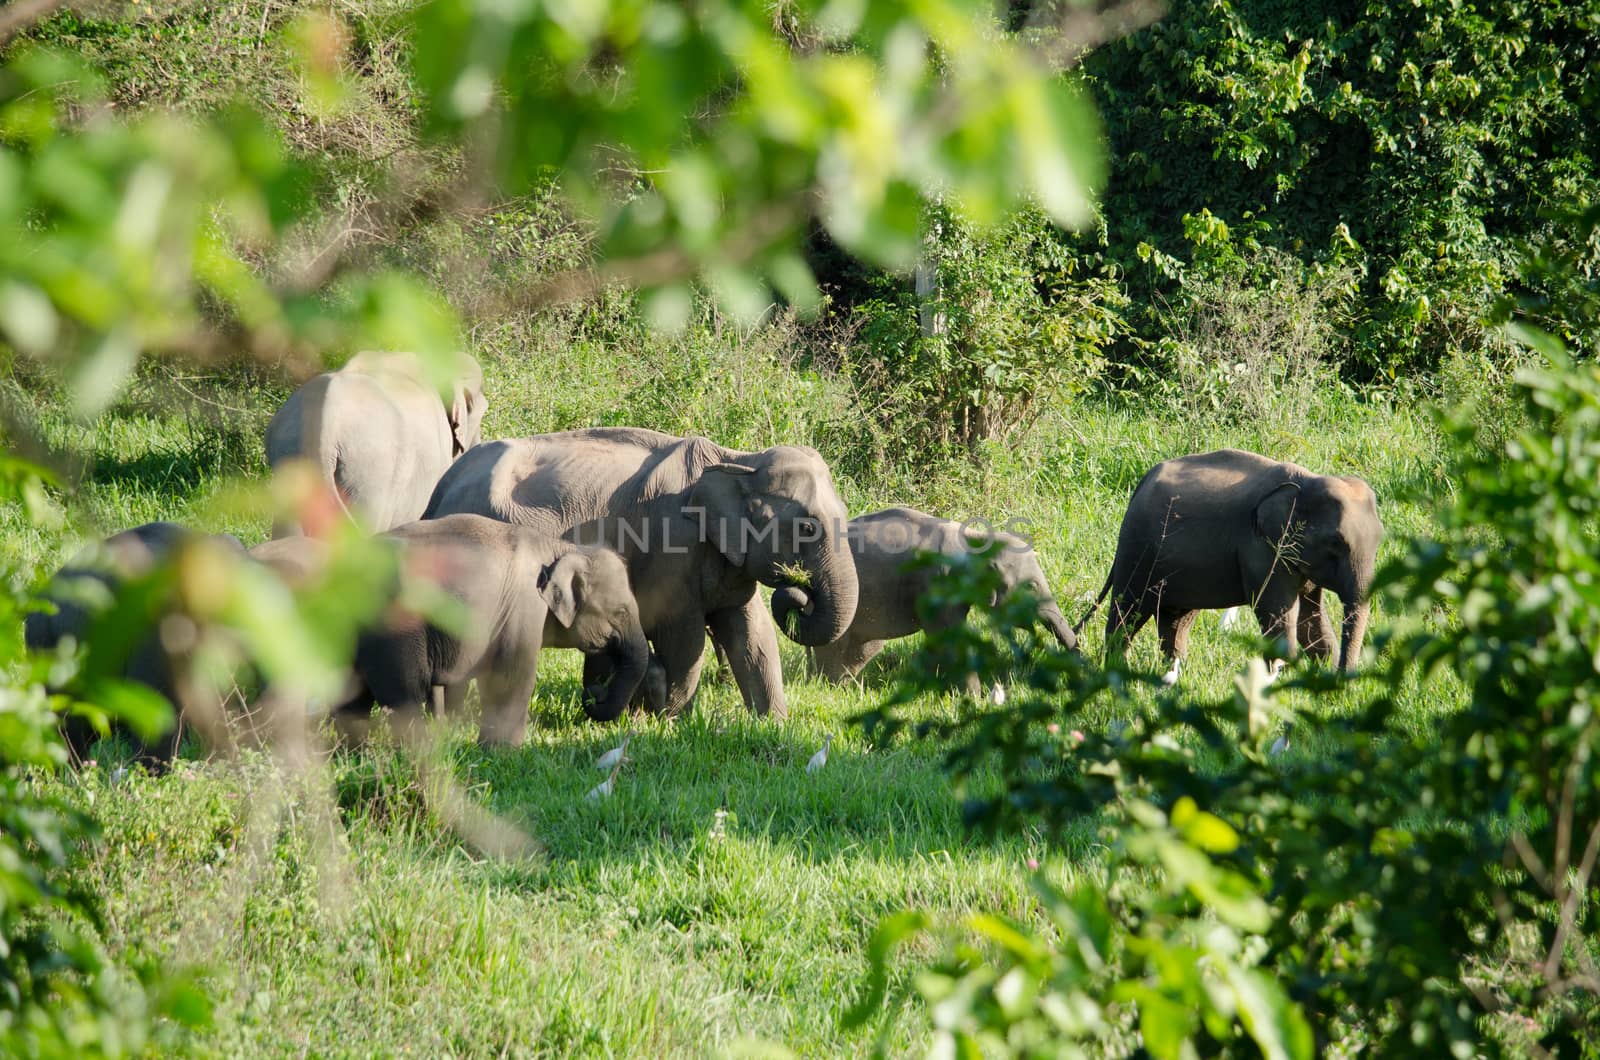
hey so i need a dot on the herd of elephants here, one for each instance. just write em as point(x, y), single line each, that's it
point(628, 545)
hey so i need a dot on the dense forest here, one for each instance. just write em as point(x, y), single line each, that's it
point(996, 262)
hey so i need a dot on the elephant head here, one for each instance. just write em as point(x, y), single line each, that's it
point(592, 608)
point(467, 405)
point(777, 515)
point(1018, 565)
point(1327, 528)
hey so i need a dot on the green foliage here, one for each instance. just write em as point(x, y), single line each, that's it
point(1004, 329)
point(720, 134)
point(60, 995)
point(1417, 144)
point(122, 237)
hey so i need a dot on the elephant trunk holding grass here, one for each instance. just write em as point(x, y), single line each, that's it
point(883, 544)
point(1232, 528)
point(378, 433)
point(700, 526)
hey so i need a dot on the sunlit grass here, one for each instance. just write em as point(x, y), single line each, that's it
point(721, 893)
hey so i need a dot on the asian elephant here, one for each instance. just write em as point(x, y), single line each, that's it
point(89, 585)
point(882, 544)
point(1229, 528)
point(699, 526)
point(378, 433)
point(521, 591)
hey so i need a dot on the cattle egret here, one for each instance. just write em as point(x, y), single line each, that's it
point(997, 695)
point(1230, 619)
point(820, 759)
point(616, 755)
point(1170, 678)
point(1281, 744)
point(601, 790)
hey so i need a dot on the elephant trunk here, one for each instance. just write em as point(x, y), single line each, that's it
point(1052, 617)
point(790, 600)
point(831, 591)
point(1357, 609)
point(626, 661)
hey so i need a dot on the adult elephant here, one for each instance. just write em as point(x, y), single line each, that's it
point(883, 545)
point(1231, 528)
point(378, 432)
point(87, 587)
point(699, 526)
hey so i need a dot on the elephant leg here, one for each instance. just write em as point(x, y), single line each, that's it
point(1315, 628)
point(1277, 608)
point(747, 635)
point(504, 718)
point(845, 658)
point(680, 653)
point(448, 700)
point(1175, 627)
point(1124, 619)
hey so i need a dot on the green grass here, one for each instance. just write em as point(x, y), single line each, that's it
point(643, 927)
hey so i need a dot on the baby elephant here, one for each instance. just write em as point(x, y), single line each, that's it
point(883, 544)
point(1232, 528)
point(520, 591)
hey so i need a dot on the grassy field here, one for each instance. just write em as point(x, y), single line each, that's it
point(722, 897)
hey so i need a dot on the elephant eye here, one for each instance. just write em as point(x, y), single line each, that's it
point(809, 527)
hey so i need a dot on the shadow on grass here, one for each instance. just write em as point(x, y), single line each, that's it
point(892, 805)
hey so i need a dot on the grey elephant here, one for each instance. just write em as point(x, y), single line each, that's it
point(520, 591)
point(700, 526)
point(378, 432)
point(1233, 528)
point(883, 544)
point(85, 588)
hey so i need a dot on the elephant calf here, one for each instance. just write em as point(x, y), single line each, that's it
point(1233, 528)
point(883, 545)
point(378, 433)
point(521, 591)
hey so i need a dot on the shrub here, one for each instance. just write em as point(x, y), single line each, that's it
point(1255, 341)
point(1008, 327)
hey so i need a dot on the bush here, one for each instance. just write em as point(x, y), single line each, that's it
point(1253, 343)
point(1006, 328)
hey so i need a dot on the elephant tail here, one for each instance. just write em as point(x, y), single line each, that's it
point(320, 442)
point(1077, 630)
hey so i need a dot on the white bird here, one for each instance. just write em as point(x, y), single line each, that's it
point(997, 695)
point(820, 759)
point(1230, 618)
point(617, 754)
point(1281, 744)
point(601, 790)
point(1170, 678)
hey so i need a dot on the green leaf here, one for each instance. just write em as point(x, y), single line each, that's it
point(891, 931)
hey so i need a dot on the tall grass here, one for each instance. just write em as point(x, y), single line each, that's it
point(651, 923)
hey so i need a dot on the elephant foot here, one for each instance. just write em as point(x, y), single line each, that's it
point(1170, 678)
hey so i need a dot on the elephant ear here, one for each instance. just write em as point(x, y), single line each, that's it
point(557, 585)
point(1276, 512)
point(722, 496)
